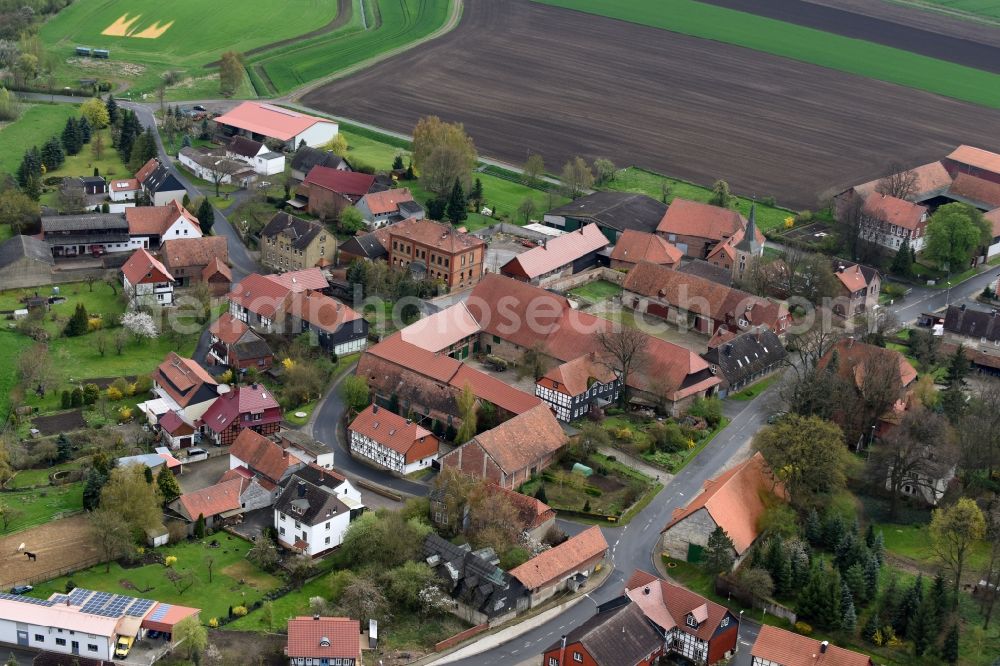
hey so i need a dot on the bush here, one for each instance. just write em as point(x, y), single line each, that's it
point(95, 324)
point(214, 623)
point(623, 434)
point(593, 492)
point(239, 611)
point(768, 201)
point(90, 393)
point(143, 384)
point(170, 561)
point(709, 409)
point(125, 414)
point(114, 394)
point(803, 628)
point(668, 437)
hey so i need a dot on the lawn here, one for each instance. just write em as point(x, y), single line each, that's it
point(635, 179)
point(213, 596)
point(39, 477)
point(40, 506)
point(754, 390)
point(190, 35)
point(37, 123)
point(611, 490)
point(83, 164)
point(12, 344)
point(402, 21)
point(913, 543)
point(808, 45)
point(596, 291)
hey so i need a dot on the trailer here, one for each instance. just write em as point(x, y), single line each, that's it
point(102, 53)
point(84, 51)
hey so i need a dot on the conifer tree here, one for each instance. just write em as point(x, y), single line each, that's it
point(30, 167)
point(72, 137)
point(77, 324)
point(85, 130)
point(53, 155)
point(871, 576)
point(719, 551)
point(814, 528)
point(206, 216)
point(854, 578)
point(779, 566)
point(457, 204)
point(872, 625)
point(112, 106)
point(949, 652)
point(848, 615)
point(907, 610)
point(921, 629)
point(902, 263)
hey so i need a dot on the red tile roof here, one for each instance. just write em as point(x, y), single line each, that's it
point(143, 268)
point(194, 251)
point(262, 455)
point(978, 190)
point(518, 443)
point(326, 638)
point(216, 267)
point(395, 432)
point(156, 220)
point(380, 203)
point(259, 294)
point(148, 168)
point(433, 234)
point(573, 377)
point(182, 376)
point(320, 310)
point(124, 185)
point(556, 252)
point(551, 566)
point(786, 648)
point(533, 512)
point(174, 425)
point(442, 329)
point(931, 178)
point(853, 354)
point(692, 218)
point(852, 278)
point(667, 605)
point(977, 157)
point(305, 279)
point(228, 329)
point(734, 500)
point(635, 246)
point(213, 500)
point(269, 120)
point(436, 366)
point(889, 209)
point(349, 183)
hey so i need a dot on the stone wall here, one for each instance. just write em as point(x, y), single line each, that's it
point(594, 274)
point(695, 529)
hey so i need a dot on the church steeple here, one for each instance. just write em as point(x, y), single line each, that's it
point(748, 243)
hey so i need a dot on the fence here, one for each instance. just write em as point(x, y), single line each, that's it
point(593, 275)
point(724, 586)
point(461, 636)
point(55, 573)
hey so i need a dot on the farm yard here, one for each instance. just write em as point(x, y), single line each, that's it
point(805, 131)
point(61, 545)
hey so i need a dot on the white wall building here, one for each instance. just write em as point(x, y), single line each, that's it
point(391, 441)
point(146, 282)
point(309, 519)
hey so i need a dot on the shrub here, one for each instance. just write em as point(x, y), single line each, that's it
point(95, 324)
point(768, 201)
point(143, 384)
point(90, 393)
point(121, 384)
point(125, 414)
point(214, 623)
point(114, 394)
point(593, 492)
point(239, 611)
point(709, 409)
point(668, 437)
point(623, 434)
point(170, 561)
point(803, 628)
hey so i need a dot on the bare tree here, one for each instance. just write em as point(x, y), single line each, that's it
point(111, 534)
point(979, 432)
point(851, 219)
point(627, 348)
point(71, 198)
point(209, 562)
point(900, 183)
point(576, 177)
point(992, 573)
point(97, 145)
point(878, 385)
point(918, 452)
point(222, 169)
point(533, 170)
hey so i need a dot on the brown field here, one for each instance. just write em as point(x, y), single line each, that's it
point(61, 546)
point(525, 78)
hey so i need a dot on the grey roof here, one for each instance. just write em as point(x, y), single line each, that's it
point(306, 158)
point(621, 635)
point(746, 355)
point(302, 232)
point(85, 222)
point(306, 443)
point(20, 247)
point(93, 179)
point(308, 503)
point(244, 146)
point(471, 579)
point(617, 210)
point(409, 208)
point(749, 241)
point(161, 180)
point(364, 246)
point(703, 269)
point(973, 323)
point(257, 348)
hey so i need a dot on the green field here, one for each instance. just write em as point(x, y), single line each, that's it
point(40, 506)
point(596, 291)
point(401, 21)
point(804, 44)
point(197, 34)
point(37, 123)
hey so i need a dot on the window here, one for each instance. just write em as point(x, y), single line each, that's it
point(327, 541)
point(577, 657)
point(725, 622)
point(60, 641)
point(553, 661)
point(281, 531)
point(91, 646)
point(691, 622)
point(297, 525)
point(40, 638)
point(328, 524)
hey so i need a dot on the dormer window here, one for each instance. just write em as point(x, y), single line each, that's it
point(725, 622)
point(691, 622)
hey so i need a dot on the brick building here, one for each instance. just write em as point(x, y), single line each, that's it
point(436, 251)
point(242, 408)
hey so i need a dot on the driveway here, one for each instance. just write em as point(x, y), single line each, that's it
point(203, 474)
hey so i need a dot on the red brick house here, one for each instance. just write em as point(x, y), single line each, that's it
point(618, 636)
point(566, 566)
point(437, 251)
point(696, 228)
point(243, 407)
point(237, 345)
point(329, 191)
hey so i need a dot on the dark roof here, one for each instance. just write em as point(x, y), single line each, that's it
point(327, 479)
point(972, 323)
point(306, 443)
point(161, 180)
point(703, 269)
point(60, 659)
point(746, 354)
point(306, 158)
point(618, 210)
point(410, 208)
point(366, 246)
point(244, 146)
point(308, 503)
point(252, 349)
point(21, 247)
point(93, 179)
point(301, 232)
point(85, 222)
point(471, 579)
point(620, 635)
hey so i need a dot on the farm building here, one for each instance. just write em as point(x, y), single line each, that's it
point(612, 212)
point(214, 164)
point(381, 208)
point(261, 121)
point(635, 246)
point(25, 261)
point(563, 567)
point(392, 441)
point(696, 228)
point(146, 282)
point(888, 221)
point(306, 157)
point(534, 516)
point(256, 155)
point(89, 233)
point(188, 258)
point(564, 255)
point(304, 447)
point(452, 332)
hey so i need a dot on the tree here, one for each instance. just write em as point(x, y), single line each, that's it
point(405, 583)
point(97, 146)
point(26, 67)
point(167, 483)
point(476, 195)
point(30, 167)
point(383, 539)
point(10, 108)
point(991, 574)
point(206, 216)
point(37, 371)
point(949, 651)
point(808, 455)
point(338, 146)
point(819, 599)
point(356, 392)
point(111, 533)
point(533, 170)
point(92, 489)
point(139, 324)
point(576, 177)
point(755, 582)
point(719, 551)
point(442, 153)
point(904, 457)
point(900, 183)
point(527, 209)
point(721, 195)
point(96, 113)
point(604, 171)
point(351, 221)
point(924, 346)
point(71, 198)
point(954, 231)
point(363, 598)
point(191, 636)
point(222, 170)
point(264, 554)
point(457, 209)
point(902, 262)
point(112, 106)
point(468, 407)
point(17, 209)
point(53, 154)
point(8, 515)
point(953, 396)
point(397, 162)
point(230, 72)
point(921, 629)
point(849, 616)
point(138, 503)
point(954, 531)
point(72, 137)
point(626, 347)
point(199, 526)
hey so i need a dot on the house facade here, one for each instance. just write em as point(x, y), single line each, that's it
point(308, 519)
point(858, 288)
point(235, 344)
point(336, 327)
point(323, 641)
point(392, 441)
point(436, 251)
point(696, 228)
point(745, 359)
point(256, 155)
point(214, 164)
point(328, 191)
point(159, 184)
point(241, 408)
point(149, 226)
point(289, 243)
point(146, 282)
point(571, 389)
point(306, 157)
point(187, 258)
point(888, 221)
point(89, 233)
point(124, 189)
point(381, 208)
point(562, 567)
point(617, 636)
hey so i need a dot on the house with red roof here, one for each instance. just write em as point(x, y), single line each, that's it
point(436, 251)
point(123, 189)
point(391, 441)
point(635, 246)
point(264, 459)
point(235, 344)
point(151, 225)
point(213, 503)
point(241, 408)
point(324, 640)
point(146, 281)
point(325, 191)
point(695, 228)
point(779, 647)
point(566, 566)
point(858, 288)
point(452, 331)
point(188, 258)
point(573, 388)
point(733, 501)
point(514, 451)
point(184, 386)
point(570, 253)
point(381, 208)
point(336, 327)
point(261, 121)
point(177, 433)
point(889, 221)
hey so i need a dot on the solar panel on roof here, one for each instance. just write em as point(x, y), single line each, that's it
point(160, 612)
point(79, 595)
point(26, 600)
point(140, 607)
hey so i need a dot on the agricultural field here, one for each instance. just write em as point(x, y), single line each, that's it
point(65, 544)
point(37, 123)
point(805, 131)
point(982, 8)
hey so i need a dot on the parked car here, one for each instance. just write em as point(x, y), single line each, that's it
point(199, 107)
point(21, 589)
point(152, 634)
point(777, 416)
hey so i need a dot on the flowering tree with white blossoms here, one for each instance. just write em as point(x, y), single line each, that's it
point(139, 324)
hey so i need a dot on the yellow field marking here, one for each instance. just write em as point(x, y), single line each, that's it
point(121, 27)
point(153, 31)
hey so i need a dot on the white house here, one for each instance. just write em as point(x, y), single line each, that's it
point(211, 163)
point(256, 155)
point(381, 208)
point(888, 221)
point(146, 281)
point(260, 121)
point(309, 519)
point(124, 189)
point(391, 441)
point(149, 226)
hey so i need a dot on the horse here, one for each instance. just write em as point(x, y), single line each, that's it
point(31, 556)
point(20, 548)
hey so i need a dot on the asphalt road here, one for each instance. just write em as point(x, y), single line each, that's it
point(925, 299)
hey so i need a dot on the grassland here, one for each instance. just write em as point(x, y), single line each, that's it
point(401, 21)
point(214, 593)
point(37, 123)
point(596, 291)
point(803, 44)
point(83, 164)
point(40, 506)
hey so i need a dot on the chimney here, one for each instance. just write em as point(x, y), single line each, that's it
point(562, 651)
point(645, 590)
point(409, 421)
point(823, 646)
point(374, 409)
point(316, 616)
point(302, 489)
